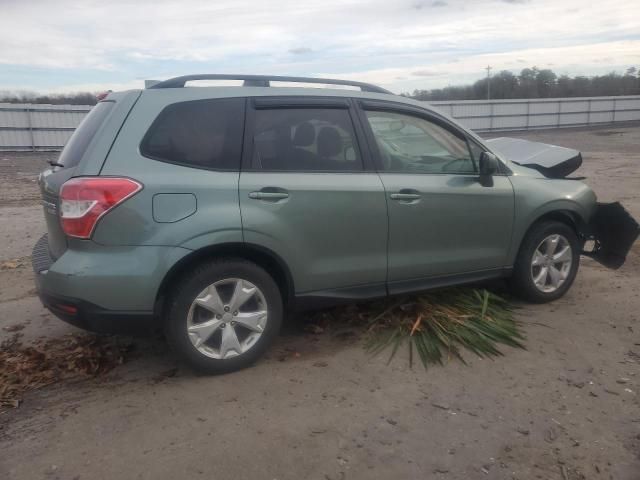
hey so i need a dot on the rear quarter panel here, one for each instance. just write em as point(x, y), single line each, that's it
point(216, 217)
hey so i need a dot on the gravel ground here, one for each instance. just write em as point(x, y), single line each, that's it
point(319, 408)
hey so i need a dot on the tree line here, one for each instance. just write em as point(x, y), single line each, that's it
point(536, 83)
point(86, 98)
point(530, 83)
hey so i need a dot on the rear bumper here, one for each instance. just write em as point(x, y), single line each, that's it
point(103, 289)
point(93, 318)
point(613, 231)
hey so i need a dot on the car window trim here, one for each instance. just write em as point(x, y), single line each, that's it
point(402, 109)
point(190, 165)
point(288, 102)
point(363, 105)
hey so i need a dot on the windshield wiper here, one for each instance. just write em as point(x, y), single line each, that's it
point(55, 164)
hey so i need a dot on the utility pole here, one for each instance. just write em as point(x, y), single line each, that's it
point(488, 69)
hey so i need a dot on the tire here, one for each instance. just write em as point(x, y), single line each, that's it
point(209, 335)
point(525, 273)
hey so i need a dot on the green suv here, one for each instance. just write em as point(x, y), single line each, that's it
point(213, 211)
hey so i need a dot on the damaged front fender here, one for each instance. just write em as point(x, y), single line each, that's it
point(613, 231)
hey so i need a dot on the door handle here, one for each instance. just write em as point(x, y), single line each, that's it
point(269, 196)
point(406, 195)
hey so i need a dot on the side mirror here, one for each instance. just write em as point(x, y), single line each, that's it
point(488, 164)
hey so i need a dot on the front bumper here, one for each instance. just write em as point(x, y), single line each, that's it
point(613, 231)
point(103, 289)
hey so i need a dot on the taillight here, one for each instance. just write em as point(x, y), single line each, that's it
point(84, 200)
point(102, 95)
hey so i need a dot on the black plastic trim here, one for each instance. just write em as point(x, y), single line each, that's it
point(99, 320)
point(332, 297)
point(421, 284)
point(303, 101)
point(614, 231)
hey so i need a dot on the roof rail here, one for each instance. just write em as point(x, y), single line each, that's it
point(264, 81)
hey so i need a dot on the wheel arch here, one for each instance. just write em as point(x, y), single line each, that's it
point(570, 218)
point(263, 257)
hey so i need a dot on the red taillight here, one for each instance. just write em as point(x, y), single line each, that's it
point(69, 309)
point(102, 95)
point(83, 201)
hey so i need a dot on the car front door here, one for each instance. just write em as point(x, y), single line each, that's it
point(445, 226)
point(307, 195)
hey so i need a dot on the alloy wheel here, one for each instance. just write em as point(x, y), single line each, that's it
point(551, 263)
point(227, 318)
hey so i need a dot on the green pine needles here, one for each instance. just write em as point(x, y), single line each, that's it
point(438, 324)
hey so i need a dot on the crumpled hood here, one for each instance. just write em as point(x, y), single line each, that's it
point(550, 160)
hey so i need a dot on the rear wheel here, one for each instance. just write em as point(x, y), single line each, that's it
point(224, 315)
point(547, 263)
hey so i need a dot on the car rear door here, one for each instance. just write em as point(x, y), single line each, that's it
point(445, 225)
point(308, 194)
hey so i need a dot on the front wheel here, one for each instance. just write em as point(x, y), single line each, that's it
point(223, 315)
point(547, 262)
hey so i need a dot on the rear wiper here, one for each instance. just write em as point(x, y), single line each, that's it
point(55, 164)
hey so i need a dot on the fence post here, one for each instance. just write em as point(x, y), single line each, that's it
point(30, 125)
point(589, 113)
point(491, 116)
point(528, 102)
point(559, 112)
point(615, 103)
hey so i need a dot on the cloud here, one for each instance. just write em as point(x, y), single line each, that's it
point(89, 42)
point(427, 73)
point(300, 50)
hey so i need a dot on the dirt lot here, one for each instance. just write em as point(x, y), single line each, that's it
point(320, 408)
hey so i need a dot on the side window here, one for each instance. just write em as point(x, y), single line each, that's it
point(411, 144)
point(304, 139)
point(200, 133)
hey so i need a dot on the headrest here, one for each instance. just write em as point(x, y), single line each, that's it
point(305, 135)
point(329, 142)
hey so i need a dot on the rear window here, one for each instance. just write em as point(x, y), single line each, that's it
point(201, 134)
point(82, 136)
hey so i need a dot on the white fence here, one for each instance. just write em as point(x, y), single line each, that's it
point(527, 114)
point(38, 127)
point(48, 127)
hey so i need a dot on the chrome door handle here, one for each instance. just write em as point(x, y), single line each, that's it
point(268, 195)
point(405, 196)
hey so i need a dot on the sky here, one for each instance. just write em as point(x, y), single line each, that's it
point(68, 46)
